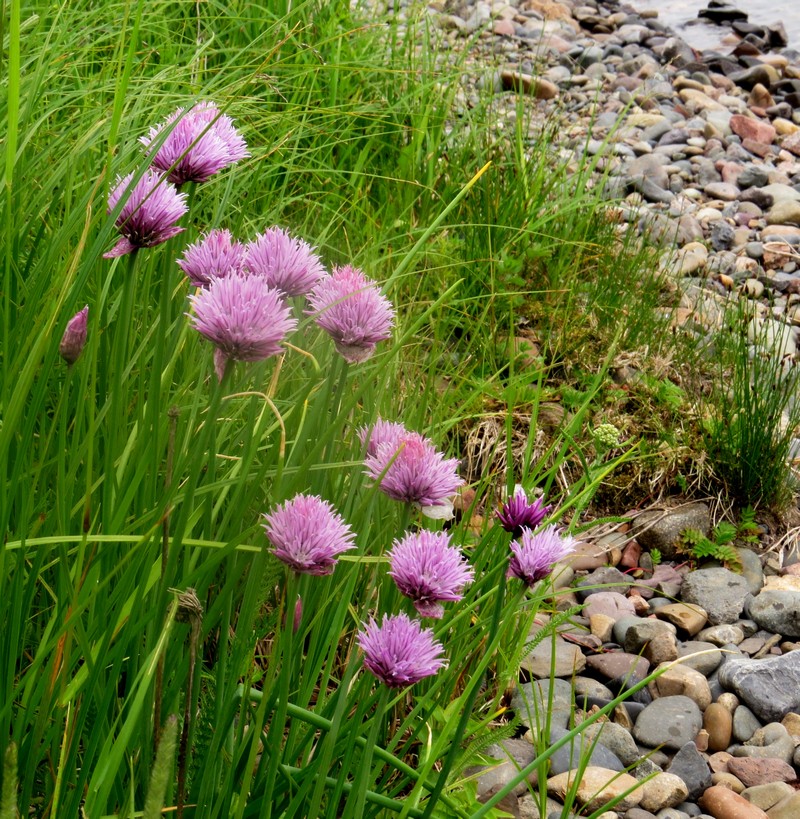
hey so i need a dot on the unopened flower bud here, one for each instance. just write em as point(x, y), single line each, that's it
point(74, 338)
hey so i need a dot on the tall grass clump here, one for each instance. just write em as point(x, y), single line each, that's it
point(750, 409)
point(225, 447)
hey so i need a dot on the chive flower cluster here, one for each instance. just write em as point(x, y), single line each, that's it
point(533, 553)
point(191, 145)
point(242, 302)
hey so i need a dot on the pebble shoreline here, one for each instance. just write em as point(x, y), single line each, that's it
point(702, 152)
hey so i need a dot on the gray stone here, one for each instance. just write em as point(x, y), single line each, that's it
point(554, 656)
point(532, 701)
point(776, 611)
point(770, 742)
point(765, 796)
point(599, 581)
point(752, 571)
point(719, 591)
point(579, 750)
point(728, 633)
point(669, 721)
point(708, 656)
point(662, 529)
point(616, 739)
point(745, 723)
point(690, 765)
point(642, 632)
point(722, 235)
point(753, 176)
point(515, 754)
point(770, 688)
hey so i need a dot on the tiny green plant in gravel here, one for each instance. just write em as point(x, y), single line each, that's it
point(750, 413)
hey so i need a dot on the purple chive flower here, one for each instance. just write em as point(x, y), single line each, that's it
point(286, 263)
point(427, 569)
point(517, 513)
point(400, 652)
point(308, 534)
point(353, 311)
point(213, 256)
point(74, 338)
point(245, 319)
point(200, 143)
point(533, 556)
point(149, 214)
point(381, 432)
point(410, 469)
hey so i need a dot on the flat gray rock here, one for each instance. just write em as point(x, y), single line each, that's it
point(769, 688)
point(777, 611)
point(532, 700)
point(662, 529)
point(570, 755)
point(668, 721)
point(719, 591)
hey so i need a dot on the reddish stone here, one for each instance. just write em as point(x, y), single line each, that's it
point(723, 803)
point(619, 665)
point(750, 128)
point(755, 147)
point(505, 27)
point(792, 143)
point(760, 771)
point(630, 555)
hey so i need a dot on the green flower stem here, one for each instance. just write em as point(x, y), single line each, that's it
point(116, 427)
point(324, 724)
point(355, 807)
point(284, 654)
point(468, 697)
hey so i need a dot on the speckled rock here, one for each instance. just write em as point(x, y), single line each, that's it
point(668, 721)
point(661, 529)
point(719, 591)
point(597, 787)
point(664, 790)
point(770, 687)
point(776, 611)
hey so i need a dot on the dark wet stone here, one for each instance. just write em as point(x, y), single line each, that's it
point(722, 235)
point(753, 176)
point(690, 765)
point(721, 13)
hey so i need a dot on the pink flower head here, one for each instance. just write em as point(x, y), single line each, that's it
point(353, 311)
point(286, 263)
point(200, 143)
point(308, 534)
point(213, 256)
point(74, 339)
point(427, 569)
point(532, 557)
point(245, 319)
point(400, 652)
point(517, 513)
point(381, 432)
point(149, 214)
point(410, 469)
